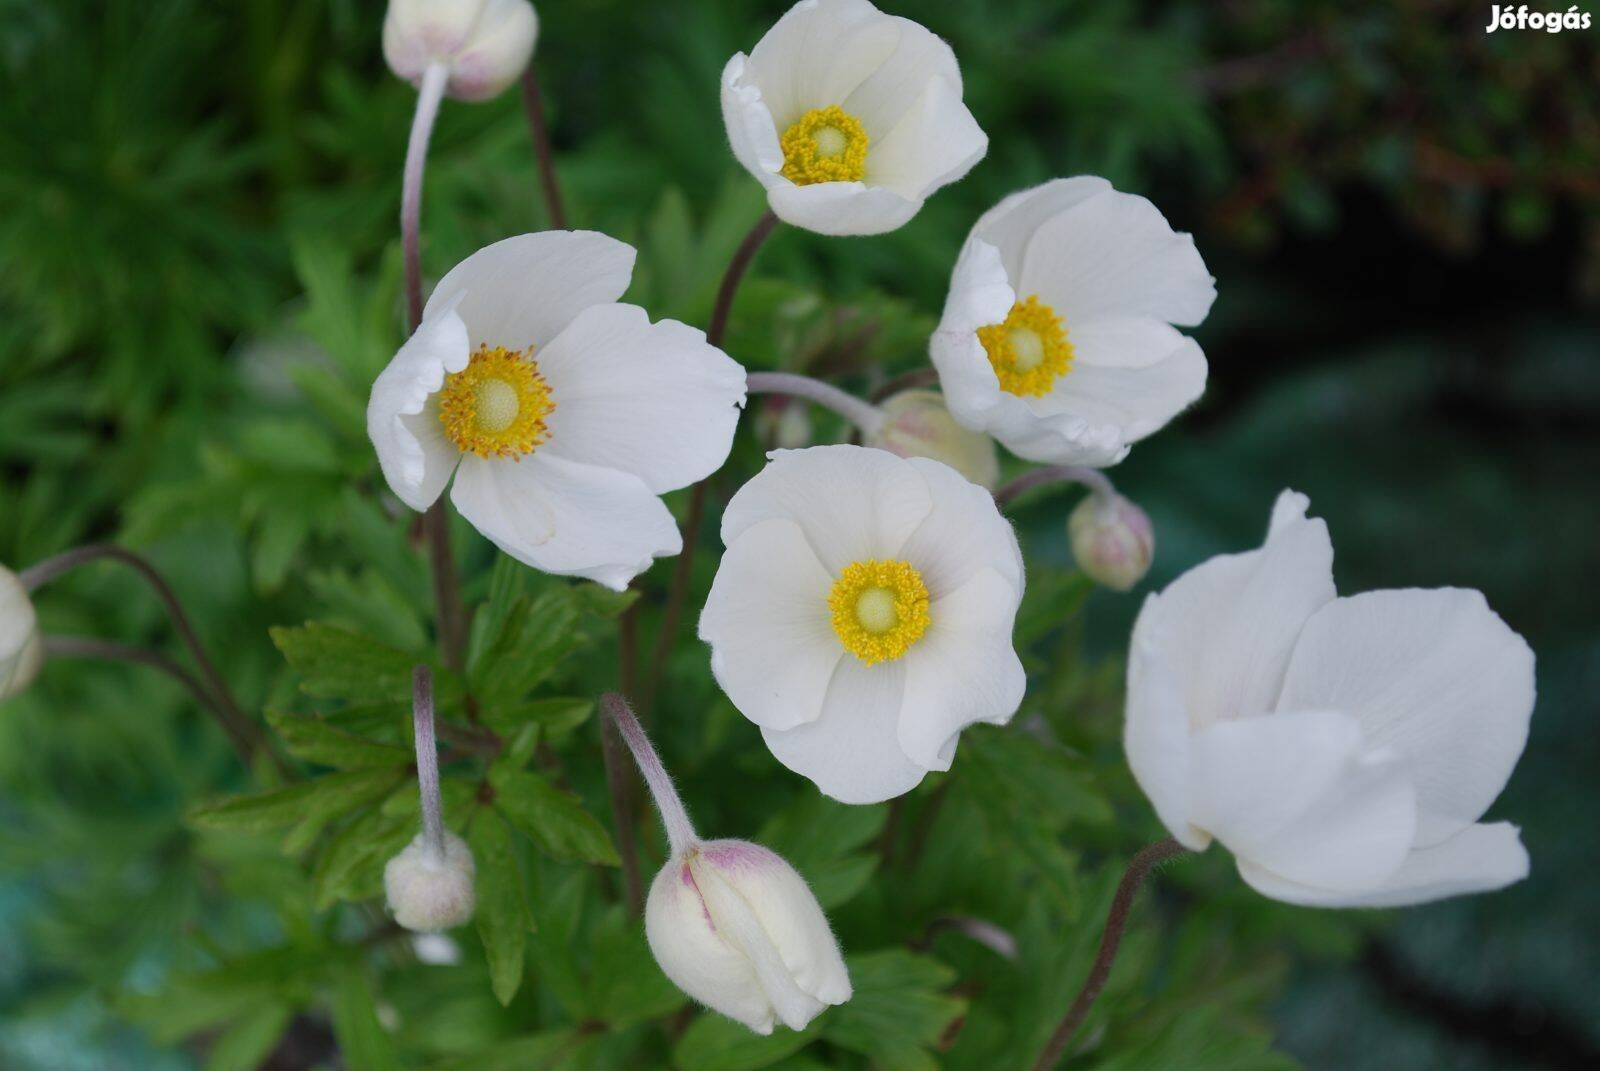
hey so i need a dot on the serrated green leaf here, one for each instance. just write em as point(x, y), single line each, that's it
point(502, 916)
point(350, 866)
point(555, 715)
point(337, 663)
point(626, 984)
point(314, 740)
point(320, 800)
point(716, 1043)
point(556, 820)
point(898, 1010)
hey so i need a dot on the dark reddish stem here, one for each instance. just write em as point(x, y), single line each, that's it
point(533, 105)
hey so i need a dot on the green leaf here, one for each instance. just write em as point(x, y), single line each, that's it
point(363, 1043)
point(536, 634)
point(245, 1045)
point(350, 866)
point(627, 985)
point(502, 917)
point(340, 664)
point(716, 1043)
point(556, 820)
point(314, 740)
point(557, 715)
point(897, 1012)
point(319, 801)
point(532, 1053)
point(832, 865)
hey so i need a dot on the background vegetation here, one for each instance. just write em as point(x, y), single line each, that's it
point(199, 279)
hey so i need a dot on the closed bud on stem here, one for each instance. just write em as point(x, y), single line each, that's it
point(1112, 540)
point(21, 649)
point(484, 44)
point(783, 423)
point(917, 424)
point(730, 922)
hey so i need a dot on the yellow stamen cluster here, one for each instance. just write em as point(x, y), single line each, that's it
point(1029, 350)
point(497, 405)
point(825, 145)
point(880, 608)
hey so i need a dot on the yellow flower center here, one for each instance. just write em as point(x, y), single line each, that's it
point(1029, 350)
point(880, 608)
point(497, 405)
point(825, 145)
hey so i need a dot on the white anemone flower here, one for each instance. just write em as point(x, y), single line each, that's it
point(21, 649)
point(1057, 334)
point(862, 615)
point(1343, 748)
point(562, 414)
point(849, 117)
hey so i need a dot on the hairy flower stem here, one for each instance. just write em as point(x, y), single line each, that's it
point(1116, 921)
point(112, 651)
point(217, 695)
point(680, 833)
point(533, 105)
point(867, 417)
point(1093, 479)
point(435, 522)
point(617, 785)
point(427, 760)
point(683, 570)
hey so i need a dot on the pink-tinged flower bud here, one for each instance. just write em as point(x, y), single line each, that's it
point(21, 649)
point(430, 889)
point(1112, 540)
point(484, 44)
point(783, 423)
point(917, 424)
point(736, 928)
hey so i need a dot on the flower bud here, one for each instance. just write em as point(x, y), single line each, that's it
point(783, 423)
point(736, 928)
point(21, 649)
point(484, 44)
point(1111, 539)
point(431, 890)
point(917, 424)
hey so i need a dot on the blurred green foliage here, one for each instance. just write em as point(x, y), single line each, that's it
point(201, 278)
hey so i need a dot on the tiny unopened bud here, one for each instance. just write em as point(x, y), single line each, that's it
point(21, 649)
point(484, 44)
point(917, 424)
point(738, 929)
point(1112, 540)
point(430, 889)
point(783, 423)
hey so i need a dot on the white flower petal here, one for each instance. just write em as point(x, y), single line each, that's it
point(1435, 675)
point(853, 503)
point(523, 291)
point(654, 400)
point(852, 753)
point(1301, 796)
point(1131, 376)
point(751, 130)
point(1226, 627)
point(701, 961)
point(962, 534)
point(818, 53)
point(1011, 225)
point(934, 143)
point(979, 295)
point(841, 208)
point(899, 79)
point(416, 457)
point(1114, 254)
point(566, 518)
point(963, 669)
point(773, 648)
point(1156, 732)
point(1480, 858)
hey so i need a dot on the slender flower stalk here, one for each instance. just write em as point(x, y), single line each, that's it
point(112, 651)
point(1093, 479)
point(1133, 878)
point(216, 694)
point(680, 831)
point(672, 614)
point(427, 758)
point(622, 813)
point(869, 418)
point(533, 105)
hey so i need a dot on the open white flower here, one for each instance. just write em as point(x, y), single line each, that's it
point(862, 615)
point(1057, 335)
point(849, 117)
point(562, 413)
point(1344, 749)
point(482, 45)
point(21, 649)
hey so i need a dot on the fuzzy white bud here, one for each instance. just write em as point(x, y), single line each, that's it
point(1112, 540)
point(738, 929)
point(484, 44)
point(917, 424)
point(21, 649)
point(431, 890)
